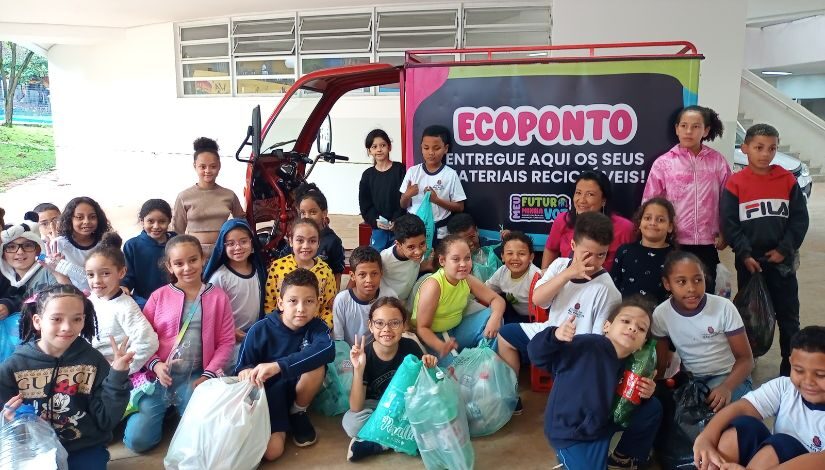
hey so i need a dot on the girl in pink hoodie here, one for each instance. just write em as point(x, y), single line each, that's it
point(692, 177)
point(193, 318)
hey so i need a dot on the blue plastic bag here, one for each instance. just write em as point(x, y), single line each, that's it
point(488, 386)
point(9, 335)
point(425, 213)
point(436, 413)
point(333, 399)
point(388, 425)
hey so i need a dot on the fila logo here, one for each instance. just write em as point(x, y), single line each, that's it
point(763, 208)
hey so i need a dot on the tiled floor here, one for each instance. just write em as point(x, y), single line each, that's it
point(521, 443)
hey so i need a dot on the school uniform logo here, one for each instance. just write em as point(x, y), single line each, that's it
point(576, 310)
point(710, 330)
point(710, 334)
point(817, 443)
point(759, 208)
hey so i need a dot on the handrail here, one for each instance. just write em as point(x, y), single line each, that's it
point(753, 80)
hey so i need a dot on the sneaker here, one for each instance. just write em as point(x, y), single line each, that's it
point(519, 408)
point(617, 462)
point(362, 449)
point(303, 434)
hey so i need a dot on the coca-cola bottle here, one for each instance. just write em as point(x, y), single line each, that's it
point(641, 364)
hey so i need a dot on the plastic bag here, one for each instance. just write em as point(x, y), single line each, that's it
point(485, 263)
point(488, 386)
point(333, 399)
point(180, 368)
point(9, 335)
point(724, 281)
point(425, 213)
point(225, 426)
point(689, 419)
point(388, 424)
point(436, 413)
point(755, 307)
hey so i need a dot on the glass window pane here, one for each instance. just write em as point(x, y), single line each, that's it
point(280, 25)
point(480, 38)
point(205, 50)
point(355, 43)
point(416, 19)
point(265, 45)
point(311, 65)
point(497, 16)
point(197, 33)
point(268, 86)
point(335, 22)
point(266, 67)
point(402, 41)
point(206, 69)
point(206, 87)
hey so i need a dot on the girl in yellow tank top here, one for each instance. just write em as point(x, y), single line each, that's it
point(440, 302)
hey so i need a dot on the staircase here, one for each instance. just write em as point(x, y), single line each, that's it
point(815, 168)
point(802, 132)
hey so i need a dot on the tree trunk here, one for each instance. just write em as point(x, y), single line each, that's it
point(10, 83)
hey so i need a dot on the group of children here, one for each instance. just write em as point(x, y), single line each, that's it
point(171, 310)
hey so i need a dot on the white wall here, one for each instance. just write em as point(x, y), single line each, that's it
point(716, 28)
point(786, 44)
point(116, 112)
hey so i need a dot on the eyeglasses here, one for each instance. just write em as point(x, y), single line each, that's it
point(27, 247)
point(243, 243)
point(393, 324)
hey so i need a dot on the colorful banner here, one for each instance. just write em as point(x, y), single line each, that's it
point(523, 132)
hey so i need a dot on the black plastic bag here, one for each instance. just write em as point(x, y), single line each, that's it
point(755, 307)
point(690, 416)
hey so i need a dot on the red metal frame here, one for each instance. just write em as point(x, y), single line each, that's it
point(334, 82)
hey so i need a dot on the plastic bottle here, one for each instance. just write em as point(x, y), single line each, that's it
point(437, 416)
point(28, 442)
point(481, 404)
point(641, 364)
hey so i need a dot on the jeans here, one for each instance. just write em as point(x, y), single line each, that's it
point(90, 458)
point(144, 429)
point(636, 441)
point(467, 334)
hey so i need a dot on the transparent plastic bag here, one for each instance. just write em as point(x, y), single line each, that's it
point(225, 427)
point(180, 367)
point(485, 263)
point(756, 308)
point(425, 213)
point(333, 399)
point(27, 442)
point(388, 425)
point(724, 281)
point(9, 335)
point(488, 386)
point(436, 412)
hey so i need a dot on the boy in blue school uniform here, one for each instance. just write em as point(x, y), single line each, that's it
point(737, 438)
point(286, 353)
point(586, 369)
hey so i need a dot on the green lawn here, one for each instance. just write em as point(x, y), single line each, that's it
point(25, 151)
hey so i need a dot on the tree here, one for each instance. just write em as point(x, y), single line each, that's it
point(12, 71)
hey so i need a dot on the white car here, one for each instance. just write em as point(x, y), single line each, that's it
point(788, 162)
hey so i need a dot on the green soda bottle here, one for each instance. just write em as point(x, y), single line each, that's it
point(641, 364)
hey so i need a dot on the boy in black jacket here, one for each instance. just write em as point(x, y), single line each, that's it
point(586, 369)
point(286, 353)
point(764, 220)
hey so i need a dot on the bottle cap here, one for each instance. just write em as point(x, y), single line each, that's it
point(25, 409)
point(439, 375)
point(484, 375)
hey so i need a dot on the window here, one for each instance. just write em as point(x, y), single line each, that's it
point(265, 55)
point(204, 53)
point(264, 51)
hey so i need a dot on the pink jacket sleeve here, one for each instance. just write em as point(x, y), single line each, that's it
point(224, 330)
point(149, 313)
point(655, 185)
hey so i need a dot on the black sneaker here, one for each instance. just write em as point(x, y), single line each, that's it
point(303, 434)
point(362, 449)
point(619, 462)
point(519, 408)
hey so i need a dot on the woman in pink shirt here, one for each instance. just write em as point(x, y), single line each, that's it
point(592, 194)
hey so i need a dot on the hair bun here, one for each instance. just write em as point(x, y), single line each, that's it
point(205, 144)
point(111, 240)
